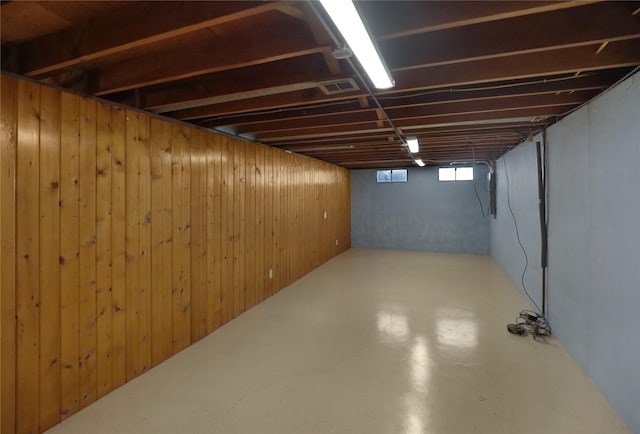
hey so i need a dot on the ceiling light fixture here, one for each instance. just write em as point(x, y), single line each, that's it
point(344, 15)
point(412, 143)
point(419, 162)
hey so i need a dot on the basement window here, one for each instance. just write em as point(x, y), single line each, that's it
point(455, 174)
point(392, 175)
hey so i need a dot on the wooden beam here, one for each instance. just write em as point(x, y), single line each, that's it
point(594, 82)
point(290, 100)
point(268, 41)
point(339, 140)
point(322, 38)
point(292, 10)
point(463, 129)
point(410, 18)
point(341, 106)
point(491, 104)
point(362, 116)
point(496, 130)
point(422, 111)
point(592, 24)
point(366, 115)
point(129, 27)
point(276, 77)
point(361, 145)
point(322, 103)
point(413, 123)
point(529, 86)
point(553, 62)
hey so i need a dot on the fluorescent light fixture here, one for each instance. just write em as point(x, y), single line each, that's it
point(419, 162)
point(413, 145)
point(348, 21)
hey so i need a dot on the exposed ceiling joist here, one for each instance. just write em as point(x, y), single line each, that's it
point(264, 44)
point(472, 78)
point(414, 123)
point(597, 23)
point(460, 105)
point(282, 106)
point(553, 62)
point(134, 25)
point(419, 17)
point(279, 77)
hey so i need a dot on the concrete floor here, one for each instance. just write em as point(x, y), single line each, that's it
point(371, 342)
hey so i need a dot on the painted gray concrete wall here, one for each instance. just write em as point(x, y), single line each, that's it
point(422, 214)
point(520, 165)
point(594, 242)
point(594, 239)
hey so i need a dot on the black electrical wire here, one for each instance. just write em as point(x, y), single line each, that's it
point(475, 187)
point(475, 190)
point(515, 223)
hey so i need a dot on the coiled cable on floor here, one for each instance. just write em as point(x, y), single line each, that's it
point(531, 323)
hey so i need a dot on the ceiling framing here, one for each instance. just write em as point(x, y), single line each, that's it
point(473, 79)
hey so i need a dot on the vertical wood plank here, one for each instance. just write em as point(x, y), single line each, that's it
point(304, 212)
point(166, 277)
point(266, 218)
point(103, 249)
point(132, 236)
point(224, 237)
point(118, 246)
point(144, 222)
point(181, 255)
point(276, 243)
point(69, 251)
point(325, 237)
point(288, 219)
point(209, 258)
point(213, 233)
point(28, 260)
point(316, 213)
point(87, 258)
point(320, 215)
point(239, 185)
point(290, 209)
point(250, 227)
point(227, 230)
point(49, 258)
point(298, 200)
point(259, 219)
point(9, 138)
point(292, 205)
point(198, 203)
point(161, 339)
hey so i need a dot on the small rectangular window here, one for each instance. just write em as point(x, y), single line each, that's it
point(399, 175)
point(447, 174)
point(464, 174)
point(394, 175)
point(455, 174)
point(384, 176)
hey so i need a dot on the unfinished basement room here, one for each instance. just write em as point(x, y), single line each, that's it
point(314, 217)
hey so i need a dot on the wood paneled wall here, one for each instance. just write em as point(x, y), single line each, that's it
point(125, 238)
